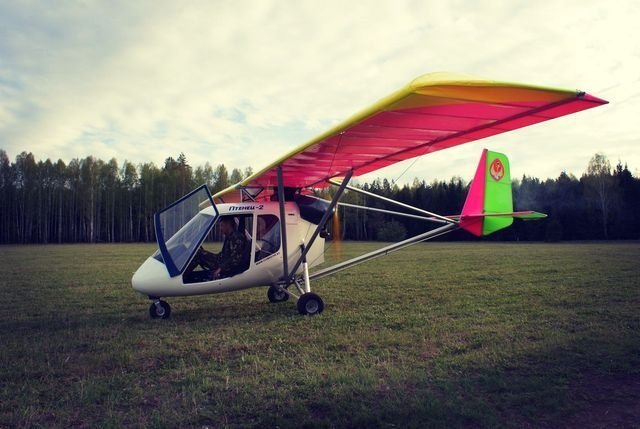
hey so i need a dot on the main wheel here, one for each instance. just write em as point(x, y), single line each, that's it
point(310, 303)
point(160, 311)
point(277, 295)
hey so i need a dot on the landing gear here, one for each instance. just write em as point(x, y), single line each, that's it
point(159, 309)
point(310, 303)
point(277, 294)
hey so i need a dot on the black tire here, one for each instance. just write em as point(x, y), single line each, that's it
point(164, 312)
point(310, 304)
point(276, 295)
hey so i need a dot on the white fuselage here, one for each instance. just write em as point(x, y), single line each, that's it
point(152, 278)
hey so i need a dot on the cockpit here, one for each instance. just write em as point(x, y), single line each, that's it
point(186, 231)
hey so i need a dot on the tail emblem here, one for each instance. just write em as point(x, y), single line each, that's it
point(496, 170)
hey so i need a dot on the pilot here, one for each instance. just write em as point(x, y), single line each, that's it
point(229, 261)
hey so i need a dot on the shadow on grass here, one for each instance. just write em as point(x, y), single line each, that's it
point(560, 387)
point(551, 386)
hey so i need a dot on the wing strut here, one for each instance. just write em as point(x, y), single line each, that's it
point(325, 217)
point(398, 203)
point(391, 212)
point(283, 227)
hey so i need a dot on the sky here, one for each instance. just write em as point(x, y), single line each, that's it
point(243, 82)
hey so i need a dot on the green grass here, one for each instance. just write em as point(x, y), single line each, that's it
point(440, 335)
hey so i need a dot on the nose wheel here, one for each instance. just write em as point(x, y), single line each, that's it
point(159, 309)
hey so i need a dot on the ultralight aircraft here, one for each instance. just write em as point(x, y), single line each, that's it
point(285, 224)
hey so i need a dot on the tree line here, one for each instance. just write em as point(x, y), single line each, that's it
point(90, 200)
point(602, 204)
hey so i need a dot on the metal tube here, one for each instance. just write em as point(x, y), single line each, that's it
point(283, 227)
point(391, 212)
point(323, 221)
point(296, 282)
point(307, 282)
point(398, 203)
point(383, 251)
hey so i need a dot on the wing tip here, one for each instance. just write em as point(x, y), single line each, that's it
point(462, 79)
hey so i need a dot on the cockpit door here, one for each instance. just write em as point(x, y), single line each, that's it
point(182, 227)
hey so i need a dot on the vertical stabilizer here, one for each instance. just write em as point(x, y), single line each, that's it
point(490, 193)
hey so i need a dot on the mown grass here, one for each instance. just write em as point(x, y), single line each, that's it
point(441, 335)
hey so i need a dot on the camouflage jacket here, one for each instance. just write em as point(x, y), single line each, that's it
point(231, 255)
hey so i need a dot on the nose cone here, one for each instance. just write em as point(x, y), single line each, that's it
point(152, 279)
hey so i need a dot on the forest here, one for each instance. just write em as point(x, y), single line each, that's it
point(90, 200)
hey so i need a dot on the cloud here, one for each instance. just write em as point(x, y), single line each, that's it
point(243, 82)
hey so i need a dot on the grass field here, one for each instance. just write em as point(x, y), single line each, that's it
point(441, 335)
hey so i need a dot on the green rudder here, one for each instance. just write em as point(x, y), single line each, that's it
point(498, 195)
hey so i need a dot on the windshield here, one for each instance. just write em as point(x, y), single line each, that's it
point(181, 228)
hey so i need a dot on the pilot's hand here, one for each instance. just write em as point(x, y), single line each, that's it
point(216, 274)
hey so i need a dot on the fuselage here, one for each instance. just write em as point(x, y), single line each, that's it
point(261, 223)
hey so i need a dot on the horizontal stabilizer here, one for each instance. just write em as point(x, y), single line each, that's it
point(525, 215)
point(529, 215)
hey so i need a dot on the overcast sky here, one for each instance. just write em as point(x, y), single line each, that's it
point(241, 82)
